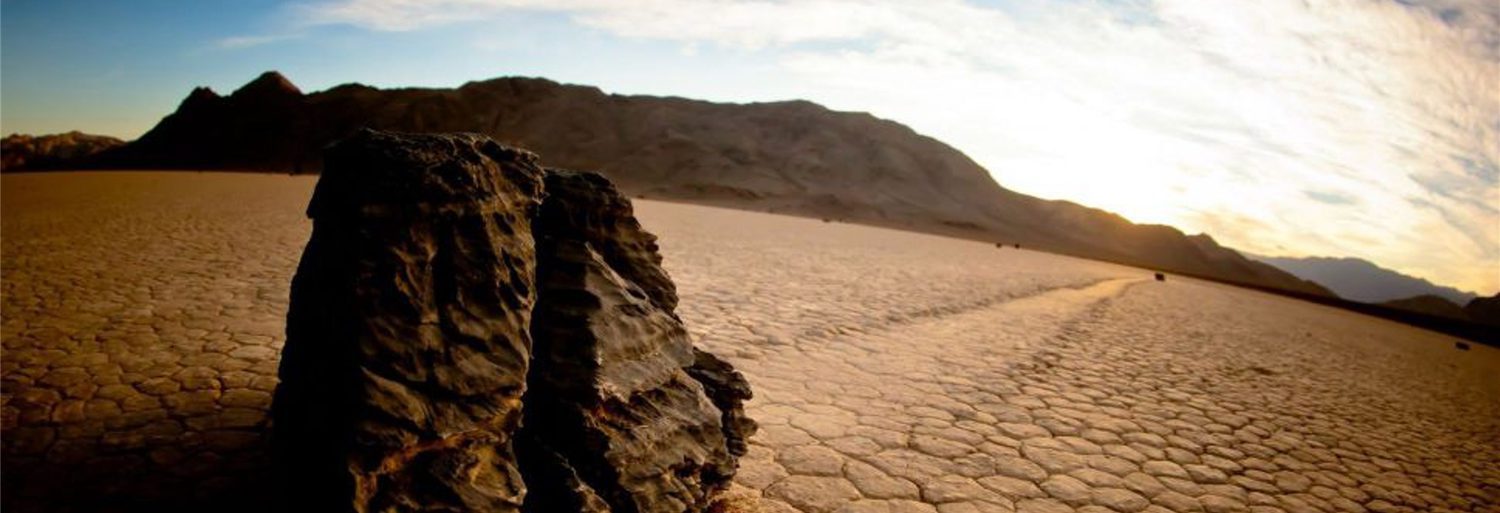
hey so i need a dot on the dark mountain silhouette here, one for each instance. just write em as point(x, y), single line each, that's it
point(20, 152)
point(792, 157)
point(1484, 309)
point(263, 125)
point(1361, 280)
point(1431, 305)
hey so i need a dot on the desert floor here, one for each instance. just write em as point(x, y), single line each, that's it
point(894, 372)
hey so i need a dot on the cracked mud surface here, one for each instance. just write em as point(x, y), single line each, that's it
point(894, 372)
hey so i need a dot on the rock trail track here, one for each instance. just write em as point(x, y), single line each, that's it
point(894, 372)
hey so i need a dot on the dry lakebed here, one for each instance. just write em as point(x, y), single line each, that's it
point(894, 372)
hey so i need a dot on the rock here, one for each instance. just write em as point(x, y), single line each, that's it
point(555, 482)
point(408, 332)
point(610, 390)
point(728, 390)
point(457, 300)
point(587, 207)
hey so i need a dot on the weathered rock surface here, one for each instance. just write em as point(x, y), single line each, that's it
point(611, 392)
point(408, 332)
point(453, 288)
point(728, 389)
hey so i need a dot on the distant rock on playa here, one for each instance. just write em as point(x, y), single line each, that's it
point(469, 331)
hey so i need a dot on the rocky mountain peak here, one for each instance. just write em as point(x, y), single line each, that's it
point(270, 83)
point(201, 98)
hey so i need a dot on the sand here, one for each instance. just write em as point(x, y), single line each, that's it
point(894, 372)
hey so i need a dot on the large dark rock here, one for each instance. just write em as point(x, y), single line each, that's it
point(610, 392)
point(587, 207)
point(451, 288)
point(408, 332)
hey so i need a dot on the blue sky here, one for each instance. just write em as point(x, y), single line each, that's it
point(1366, 128)
point(117, 67)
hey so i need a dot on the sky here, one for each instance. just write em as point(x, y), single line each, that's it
point(1365, 128)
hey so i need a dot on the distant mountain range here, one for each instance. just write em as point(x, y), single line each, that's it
point(792, 157)
point(20, 152)
point(1484, 309)
point(1431, 305)
point(1361, 280)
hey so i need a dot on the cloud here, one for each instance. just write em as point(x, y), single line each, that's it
point(238, 42)
point(1329, 127)
point(1331, 198)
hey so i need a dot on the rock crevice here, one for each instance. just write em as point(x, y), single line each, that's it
point(470, 331)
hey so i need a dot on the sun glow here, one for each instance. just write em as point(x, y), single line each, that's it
point(1366, 128)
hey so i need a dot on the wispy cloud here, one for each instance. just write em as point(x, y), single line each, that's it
point(1332, 127)
point(239, 42)
point(1331, 198)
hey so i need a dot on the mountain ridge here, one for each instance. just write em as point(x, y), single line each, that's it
point(1484, 309)
point(1431, 305)
point(23, 152)
point(794, 157)
point(1357, 279)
